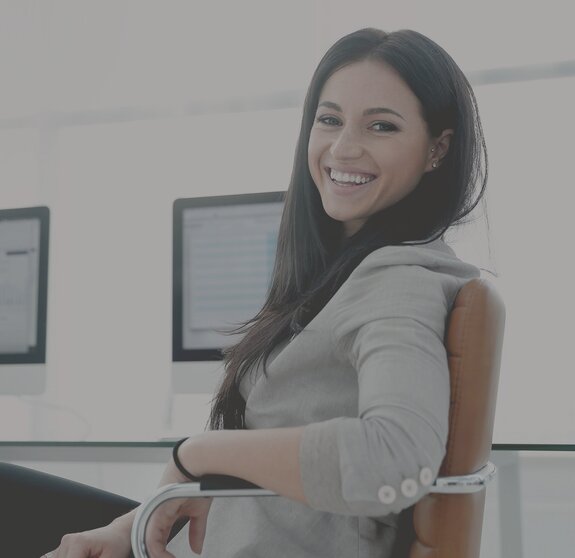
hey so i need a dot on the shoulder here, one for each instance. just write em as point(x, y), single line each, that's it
point(409, 259)
point(423, 268)
point(411, 281)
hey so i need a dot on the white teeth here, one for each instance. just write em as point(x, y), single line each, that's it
point(346, 177)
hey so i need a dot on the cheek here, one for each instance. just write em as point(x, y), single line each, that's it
point(310, 159)
point(313, 159)
point(408, 165)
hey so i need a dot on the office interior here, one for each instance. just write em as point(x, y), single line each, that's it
point(110, 111)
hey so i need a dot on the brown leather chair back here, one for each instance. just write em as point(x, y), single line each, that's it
point(449, 525)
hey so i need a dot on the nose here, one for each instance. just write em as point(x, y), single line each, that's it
point(347, 145)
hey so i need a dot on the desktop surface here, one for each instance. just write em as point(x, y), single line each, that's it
point(44, 420)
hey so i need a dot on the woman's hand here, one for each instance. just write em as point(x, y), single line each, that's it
point(107, 542)
point(164, 517)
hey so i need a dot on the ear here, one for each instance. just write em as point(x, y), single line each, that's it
point(438, 149)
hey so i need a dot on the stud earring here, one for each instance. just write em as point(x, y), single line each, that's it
point(434, 164)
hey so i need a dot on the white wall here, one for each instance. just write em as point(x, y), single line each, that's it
point(101, 119)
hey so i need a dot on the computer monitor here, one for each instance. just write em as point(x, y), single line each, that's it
point(23, 299)
point(223, 256)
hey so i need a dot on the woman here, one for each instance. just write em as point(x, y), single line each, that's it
point(337, 397)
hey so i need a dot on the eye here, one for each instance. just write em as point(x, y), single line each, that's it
point(384, 127)
point(328, 120)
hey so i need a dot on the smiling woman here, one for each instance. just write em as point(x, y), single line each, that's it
point(337, 395)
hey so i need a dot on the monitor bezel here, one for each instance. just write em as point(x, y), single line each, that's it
point(37, 355)
point(179, 353)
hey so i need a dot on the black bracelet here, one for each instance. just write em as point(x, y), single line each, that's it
point(178, 463)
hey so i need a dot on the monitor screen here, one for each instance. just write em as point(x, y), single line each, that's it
point(223, 256)
point(23, 284)
point(23, 300)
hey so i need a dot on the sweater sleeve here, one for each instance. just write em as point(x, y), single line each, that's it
point(389, 325)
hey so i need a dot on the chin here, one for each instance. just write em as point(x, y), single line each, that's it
point(340, 216)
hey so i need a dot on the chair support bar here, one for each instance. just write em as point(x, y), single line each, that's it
point(170, 492)
point(463, 484)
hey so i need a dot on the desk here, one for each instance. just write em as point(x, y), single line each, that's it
point(506, 516)
point(507, 458)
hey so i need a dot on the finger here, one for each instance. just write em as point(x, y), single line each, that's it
point(156, 541)
point(78, 547)
point(197, 530)
point(197, 533)
point(72, 545)
point(157, 534)
point(157, 549)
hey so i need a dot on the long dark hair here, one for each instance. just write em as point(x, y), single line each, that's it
point(313, 259)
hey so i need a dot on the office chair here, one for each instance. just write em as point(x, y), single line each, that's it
point(447, 522)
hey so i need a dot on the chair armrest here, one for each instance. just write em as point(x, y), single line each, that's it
point(213, 486)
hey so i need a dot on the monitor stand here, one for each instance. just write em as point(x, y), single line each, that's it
point(193, 385)
point(196, 376)
point(22, 379)
point(17, 414)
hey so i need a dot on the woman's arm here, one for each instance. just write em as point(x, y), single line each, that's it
point(266, 457)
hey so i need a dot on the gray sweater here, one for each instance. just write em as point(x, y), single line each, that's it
point(368, 376)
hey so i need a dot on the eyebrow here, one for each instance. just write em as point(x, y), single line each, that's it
point(366, 112)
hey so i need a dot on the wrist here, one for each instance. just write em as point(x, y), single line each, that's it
point(187, 456)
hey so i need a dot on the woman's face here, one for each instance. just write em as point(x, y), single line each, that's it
point(369, 145)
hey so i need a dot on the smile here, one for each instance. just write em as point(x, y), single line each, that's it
point(352, 179)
